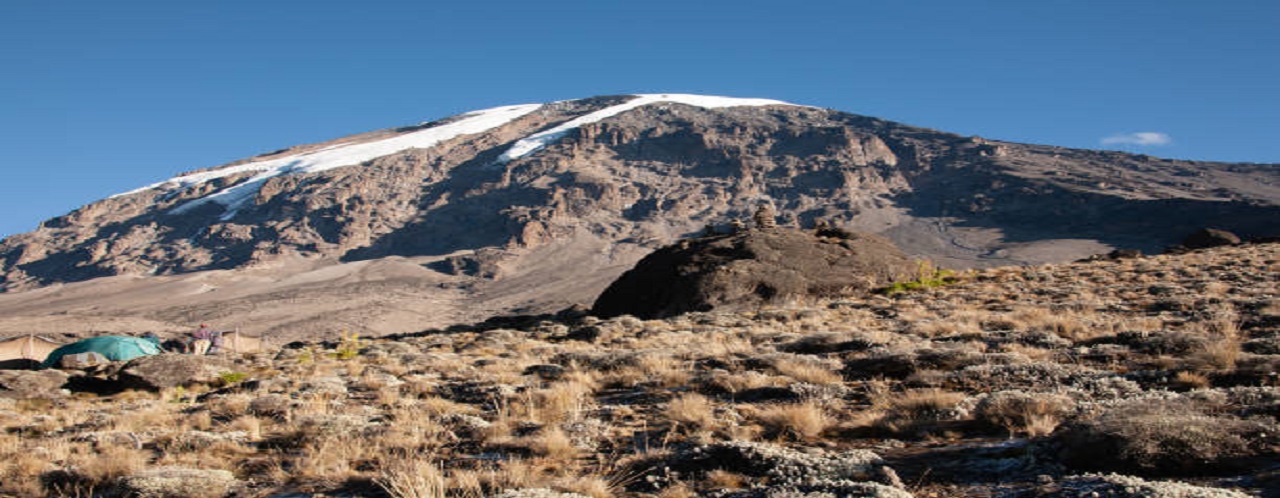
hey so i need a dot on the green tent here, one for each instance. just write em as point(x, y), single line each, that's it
point(115, 348)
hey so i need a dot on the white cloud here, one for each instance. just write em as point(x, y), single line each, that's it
point(1141, 138)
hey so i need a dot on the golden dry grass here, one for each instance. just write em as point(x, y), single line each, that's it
point(646, 390)
point(692, 411)
point(803, 421)
point(807, 371)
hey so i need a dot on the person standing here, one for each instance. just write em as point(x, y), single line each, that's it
point(201, 339)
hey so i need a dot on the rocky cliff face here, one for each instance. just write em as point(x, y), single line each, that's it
point(606, 179)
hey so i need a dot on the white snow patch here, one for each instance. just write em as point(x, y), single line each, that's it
point(531, 143)
point(339, 155)
point(331, 157)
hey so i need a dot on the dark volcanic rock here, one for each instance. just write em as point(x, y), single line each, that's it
point(1210, 237)
point(751, 268)
point(1115, 255)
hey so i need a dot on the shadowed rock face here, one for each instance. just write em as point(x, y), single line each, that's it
point(753, 268)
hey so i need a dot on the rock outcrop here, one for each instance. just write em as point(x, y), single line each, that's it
point(29, 384)
point(172, 370)
point(1210, 237)
point(752, 268)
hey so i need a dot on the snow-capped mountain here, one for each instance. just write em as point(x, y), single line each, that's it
point(530, 207)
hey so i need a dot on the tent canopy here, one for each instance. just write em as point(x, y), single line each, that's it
point(237, 342)
point(115, 348)
point(30, 347)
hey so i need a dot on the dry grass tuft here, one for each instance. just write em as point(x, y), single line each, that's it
point(593, 486)
point(554, 444)
point(803, 421)
point(692, 410)
point(807, 371)
point(723, 479)
point(412, 478)
point(916, 410)
point(88, 470)
point(1191, 380)
point(1033, 414)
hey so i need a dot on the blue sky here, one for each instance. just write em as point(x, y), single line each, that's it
point(103, 97)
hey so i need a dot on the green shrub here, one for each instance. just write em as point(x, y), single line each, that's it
point(232, 378)
point(349, 347)
point(928, 277)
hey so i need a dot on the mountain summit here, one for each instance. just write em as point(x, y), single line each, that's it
point(531, 207)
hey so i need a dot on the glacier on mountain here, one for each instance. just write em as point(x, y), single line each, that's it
point(332, 157)
point(529, 144)
point(336, 156)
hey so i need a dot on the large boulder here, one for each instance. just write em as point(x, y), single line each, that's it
point(173, 370)
point(83, 361)
point(28, 384)
point(1210, 237)
point(751, 268)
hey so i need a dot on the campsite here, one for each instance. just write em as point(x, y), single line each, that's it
point(31, 351)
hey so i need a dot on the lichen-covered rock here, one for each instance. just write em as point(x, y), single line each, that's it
point(28, 384)
point(323, 386)
point(192, 440)
point(334, 424)
point(466, 425)
point(477, 392)
point(546, 372)
point(173, 370)
point(1074, 380)
point(783, 466)
point(536, 493)
point(272, 405)
point(178, 482)
point(840, 490)
point(114, 438)
point(1121, 486)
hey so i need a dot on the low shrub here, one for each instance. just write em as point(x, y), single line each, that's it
point(1033, 414)
point(928, 278)
point(1164, 438)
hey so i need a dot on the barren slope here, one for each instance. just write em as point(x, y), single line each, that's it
point(536, 207)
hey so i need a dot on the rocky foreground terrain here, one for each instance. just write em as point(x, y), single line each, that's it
point(531, 208)
point(1144, 377)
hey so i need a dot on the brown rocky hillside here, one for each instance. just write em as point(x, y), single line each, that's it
point(465, 227)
